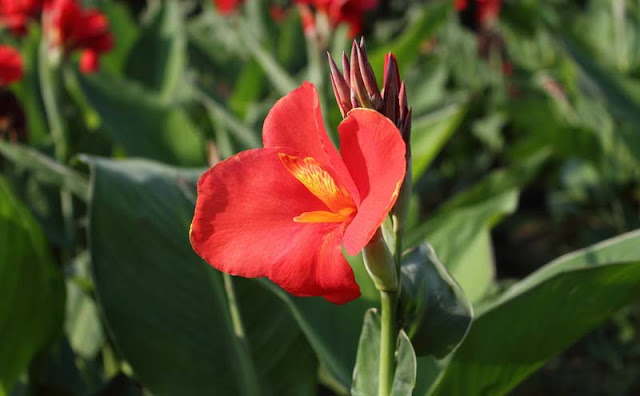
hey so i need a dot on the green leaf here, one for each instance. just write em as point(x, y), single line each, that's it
point(436, 312)
point(406, 47)
point(366, 371)
point(166, 309)
point(82, 319)
point(429, 133)
point(457, 234)
point(609, 83)
point(542, 315)
point(333, 330)
point(45, 169)
point(141, 124)
point(125, 33)
point(31, 289)
point(28, 89)
point(247, 89)
point(404, 379)
point(277, 75)
point(246, 137)
point(459, 230)
point(158, 58)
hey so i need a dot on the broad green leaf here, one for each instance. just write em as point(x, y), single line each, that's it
point(82, 319)
point(82, 323)
point(158, 58)
point(166, 309)
point(46, 169)
point(31, 289)
point(125, 33)
point(248, 88)
point(223, 120)
point(278, 76)
point(404, 379)
point(141, 124)
point(366, 371)
point(406, 47)
point(333, 330)
point(459, 235)
point(459, 230)
point(430, 132)
point(436, 312)
point(610, 85)
point(542, 315)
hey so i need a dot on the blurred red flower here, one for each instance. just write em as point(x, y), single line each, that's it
point(227, 6)
point(286, 210)
point(350, 12)
point(15, 14)
point(10, 65)
point(483, 10)
point(71, 28)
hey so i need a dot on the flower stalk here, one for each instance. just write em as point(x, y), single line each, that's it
point(382, 269)
point(50, 82)
point(388, 336)
point(357, 87)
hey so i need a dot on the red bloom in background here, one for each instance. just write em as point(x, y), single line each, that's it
point(344, 11)
point(286, 210)
point(10, 65)
point(227, 6)
point(71, 28)
point(16, 13)
point(482, 11)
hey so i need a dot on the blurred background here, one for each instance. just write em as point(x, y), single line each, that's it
point(540, 99)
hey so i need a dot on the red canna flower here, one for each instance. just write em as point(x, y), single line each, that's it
point(286, 210)
point(350, 12)
point(481, 12)
point(15, 14)
point(71, 28)
point(10, 65)
point(227, 6)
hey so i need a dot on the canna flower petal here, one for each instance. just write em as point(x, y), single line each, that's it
point(15, 14)
point(89, 62)
point(243, 225)
point(70, 28)
point(227, 6)
point(11, 66)
point(374, 153)
point(285, 211)
point(295, 122)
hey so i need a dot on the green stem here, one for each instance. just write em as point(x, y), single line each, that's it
point(315, 61)
point(50, 85)
point(49, 74)
point(254, 12)
point(236, 319)
point(278, 76)
point(248, 371)
point(388, 336)
point(381, 268)
point(316, 72)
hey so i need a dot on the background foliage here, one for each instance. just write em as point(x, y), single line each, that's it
point(526, 146)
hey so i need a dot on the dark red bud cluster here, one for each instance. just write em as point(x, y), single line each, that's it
point(357, 87)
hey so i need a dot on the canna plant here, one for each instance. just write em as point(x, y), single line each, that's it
point(285, 211)
point(291, 266)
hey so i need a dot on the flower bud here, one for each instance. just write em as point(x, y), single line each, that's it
point(380, 264)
